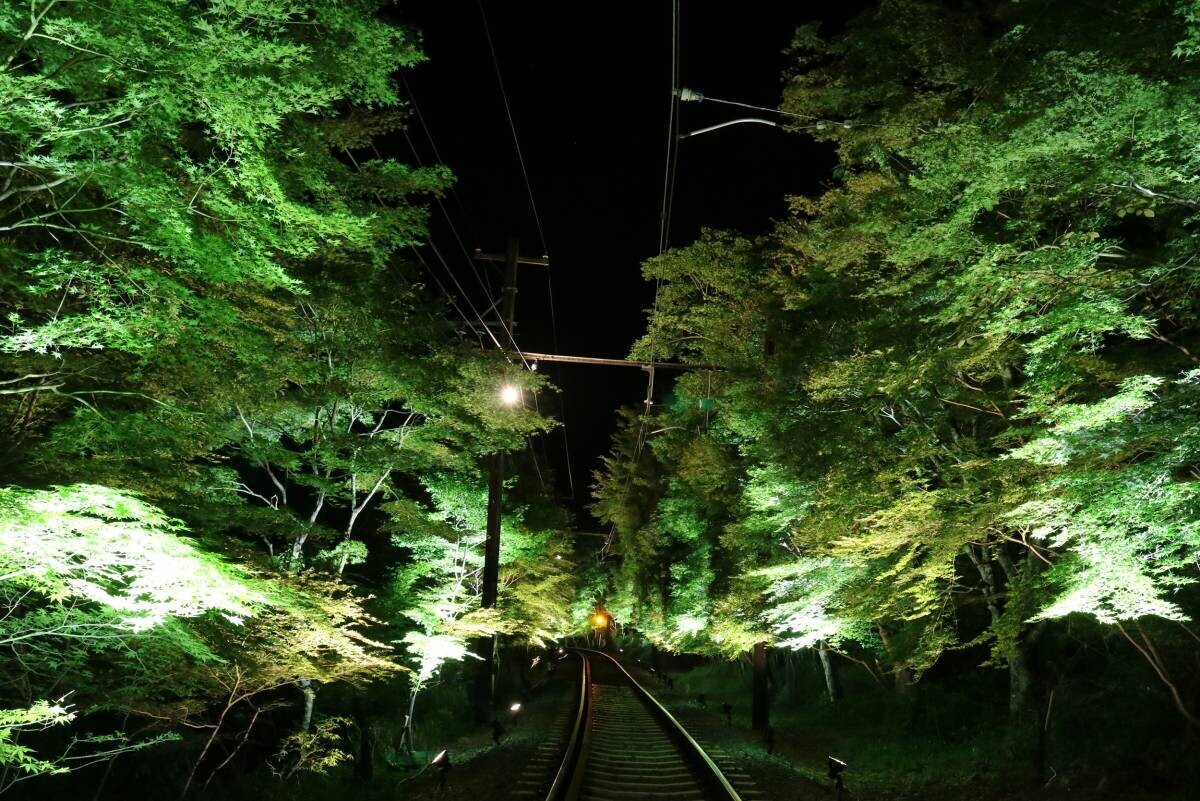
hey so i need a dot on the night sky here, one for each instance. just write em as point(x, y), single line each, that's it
point(589, 85)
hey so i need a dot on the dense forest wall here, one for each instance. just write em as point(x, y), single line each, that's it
point(950, 421)
point(240, 467)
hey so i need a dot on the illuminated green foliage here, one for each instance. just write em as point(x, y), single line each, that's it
point(91, 572)
point(96, 545)
point(963, 373)
point(215, 354)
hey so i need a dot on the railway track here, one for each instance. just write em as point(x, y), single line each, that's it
point(625, 746)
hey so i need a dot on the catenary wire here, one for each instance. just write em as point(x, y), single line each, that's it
point(512, 125)
point(487, 287)
point(446, 266)
point(558, 373)
point(669, 170)
point(537, 220)
point(484, 284)
point(437, 154)
point(466, 299)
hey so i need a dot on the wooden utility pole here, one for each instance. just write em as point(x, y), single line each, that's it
point(491, 547)
point(486, 685)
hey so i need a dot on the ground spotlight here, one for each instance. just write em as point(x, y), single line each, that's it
point(836, 766)
point(442, 763)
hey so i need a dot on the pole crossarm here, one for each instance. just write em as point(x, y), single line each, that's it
point(555, 357)
point(538, 261)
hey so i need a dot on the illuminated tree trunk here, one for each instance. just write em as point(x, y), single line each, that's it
point(1020, 672)
point(408, 721)
point(298, 543)
point(355, 510)
point(310, 696)
point(833, 687)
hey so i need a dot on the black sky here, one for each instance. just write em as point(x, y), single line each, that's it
point(589, 87)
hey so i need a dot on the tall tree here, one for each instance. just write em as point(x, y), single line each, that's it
point(960, 372)
point(206, 318)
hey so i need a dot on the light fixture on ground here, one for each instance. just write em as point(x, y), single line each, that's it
point(442, 763)
point(510, 395)
point(836, 767)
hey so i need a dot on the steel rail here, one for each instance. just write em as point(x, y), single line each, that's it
point(714, 773)
point(568, 783)
point(575, 745)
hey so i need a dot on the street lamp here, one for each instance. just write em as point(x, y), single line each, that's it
point(691, 95)
point(510, 395)
point(738, 121)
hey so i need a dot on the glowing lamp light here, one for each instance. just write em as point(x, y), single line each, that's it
point(599, 620)
point(516, 707)
point(509, 395)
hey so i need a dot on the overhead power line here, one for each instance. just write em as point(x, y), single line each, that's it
point(512, 126)
point(670, 163)
point(437, 154)
point(537, 218)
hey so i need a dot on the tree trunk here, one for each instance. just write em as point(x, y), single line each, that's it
point(902, 676)
point(310, 696)
point(298, 543)
point(760, 707)
point(408, 722)
point(1020, 670)
point(484, 685)
point(364, 762)
point(832, 686)
point(1020, 680)
point(355, 510)
point(298, 547)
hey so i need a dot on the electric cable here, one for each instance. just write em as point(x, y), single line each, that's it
point(512, 125)
point(447, 294)
point(437, 154)
point(487, 287)
point(557, 374)
point(484, 284)
point(446, 266)
point(466, 298)
point(669, 171)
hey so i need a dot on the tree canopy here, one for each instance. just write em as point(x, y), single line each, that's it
point(232, 411)
point(965, 372)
